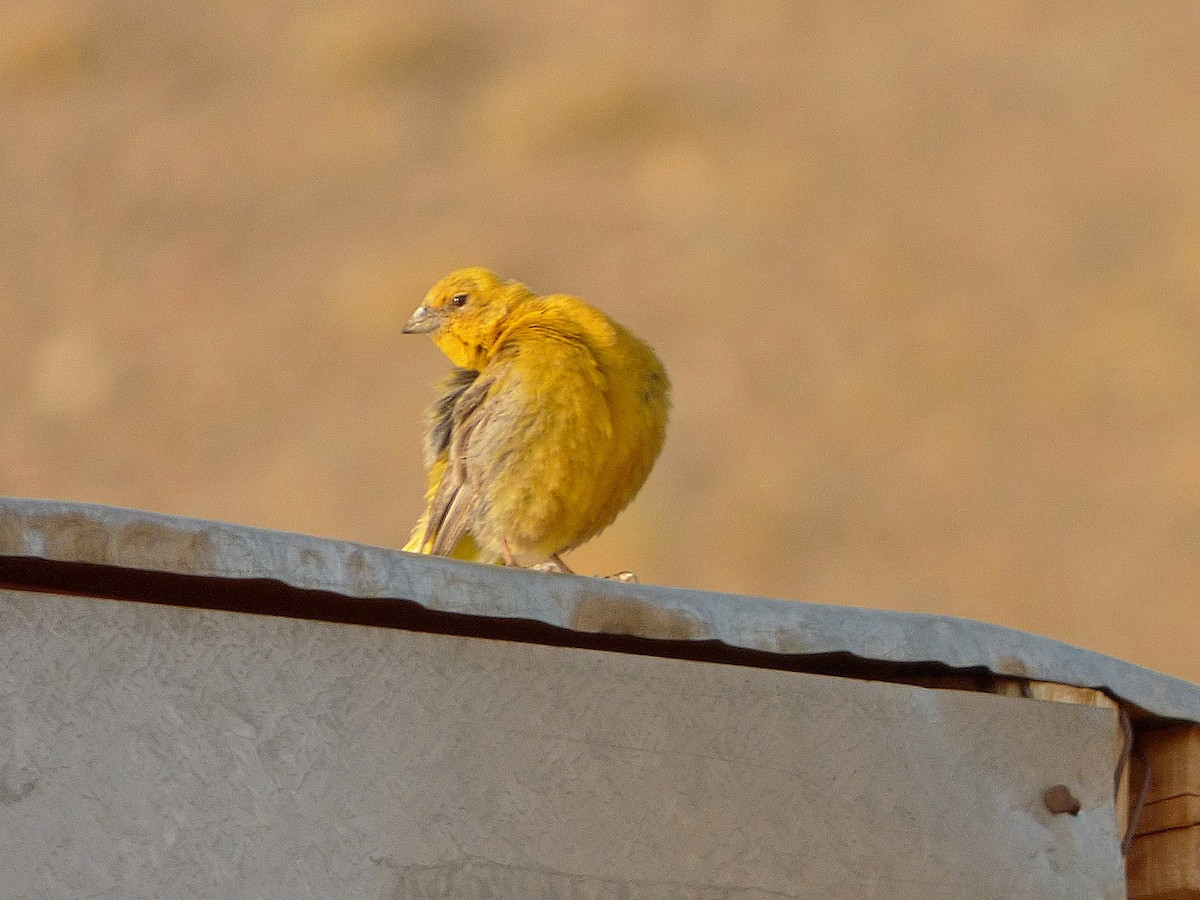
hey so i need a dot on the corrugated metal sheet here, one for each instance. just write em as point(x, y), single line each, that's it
point(111, 537)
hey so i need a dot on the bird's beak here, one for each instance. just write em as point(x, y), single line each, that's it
point(423, 321)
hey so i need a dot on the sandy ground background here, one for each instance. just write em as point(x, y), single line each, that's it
point(926, 277)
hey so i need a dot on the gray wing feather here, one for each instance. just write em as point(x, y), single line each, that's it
point(460, 492)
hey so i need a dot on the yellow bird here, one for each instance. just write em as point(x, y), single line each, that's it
point(545, 429)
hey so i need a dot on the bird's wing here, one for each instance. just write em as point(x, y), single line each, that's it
point(458, 494)
point(437, 443)
point(441, 415)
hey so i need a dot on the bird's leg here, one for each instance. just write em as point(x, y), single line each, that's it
point(509, 559)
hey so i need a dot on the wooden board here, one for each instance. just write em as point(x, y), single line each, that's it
point(1165, 865)
point(1164, 859)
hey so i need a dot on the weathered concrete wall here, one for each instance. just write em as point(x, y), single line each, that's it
point(150, 752)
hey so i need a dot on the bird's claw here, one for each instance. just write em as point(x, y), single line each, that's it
point(558, 567)
point(623, 577)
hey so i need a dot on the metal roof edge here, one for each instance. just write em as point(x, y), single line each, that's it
point(68, 532)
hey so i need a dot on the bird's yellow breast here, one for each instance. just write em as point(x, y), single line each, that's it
point(588, 405)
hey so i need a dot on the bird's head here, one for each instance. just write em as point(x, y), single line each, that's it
point(464, 312)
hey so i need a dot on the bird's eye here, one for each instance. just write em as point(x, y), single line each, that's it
point(459, 300)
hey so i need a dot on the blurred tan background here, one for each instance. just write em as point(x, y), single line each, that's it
point(926, 277)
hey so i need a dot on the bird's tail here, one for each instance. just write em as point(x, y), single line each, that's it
point(466, 548)
point(422, 542)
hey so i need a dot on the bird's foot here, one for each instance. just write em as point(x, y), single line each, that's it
point(553, 564)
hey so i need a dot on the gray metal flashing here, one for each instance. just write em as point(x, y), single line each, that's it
point(124, 539)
